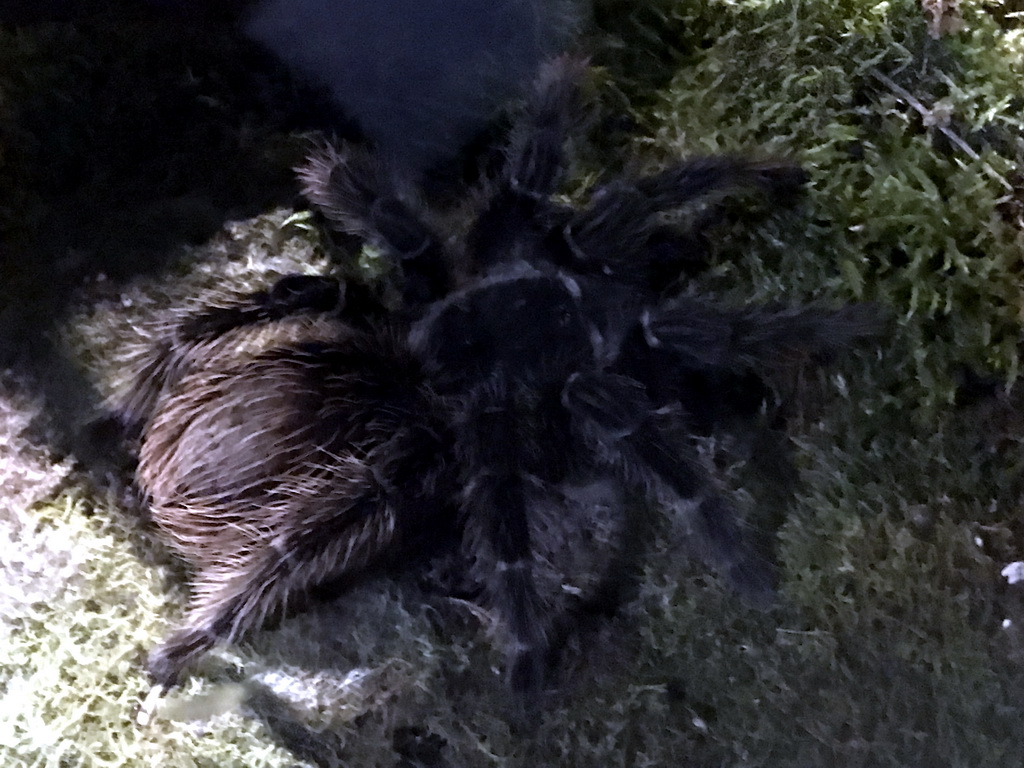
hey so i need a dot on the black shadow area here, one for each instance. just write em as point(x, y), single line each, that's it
point(127, 129)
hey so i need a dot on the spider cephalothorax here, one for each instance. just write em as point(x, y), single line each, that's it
point(531, 386)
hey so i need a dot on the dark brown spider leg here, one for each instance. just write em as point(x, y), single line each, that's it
point(359, 195)
point(612, 233)
point(700, 336)
point(614, 416)
point(496, 509)
point(174, 343)
point(536, 155)
point(231, 598)
point(722, 364)
point(715, 520)
point(701, 177)
point(519, 205)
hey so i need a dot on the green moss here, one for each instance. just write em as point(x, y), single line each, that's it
point(899, 214)
point(69, 664)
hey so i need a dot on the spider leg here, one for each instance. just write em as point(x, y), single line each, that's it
point(616, 418)
point(518, 206)
point(358, 193)
point(612, 233)
point(496, 509)
point(715, 520)
point(228, 600)
point(536, 155)
point(700, 336)
point(722, 364)
point(701, 177)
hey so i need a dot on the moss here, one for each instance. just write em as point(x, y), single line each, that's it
point(71, 679)
point(899, 214)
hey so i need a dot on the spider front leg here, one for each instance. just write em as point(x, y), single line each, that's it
point(496, 507)
point(616, 419)
point(612, 233)
point(536, 155)
point(359, 194)
point(519, 205)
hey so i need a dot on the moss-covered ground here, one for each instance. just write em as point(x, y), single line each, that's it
point(143, 161)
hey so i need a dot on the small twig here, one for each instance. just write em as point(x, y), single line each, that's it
point(931, 119)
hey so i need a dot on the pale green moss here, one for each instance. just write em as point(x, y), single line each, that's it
point(69, 665)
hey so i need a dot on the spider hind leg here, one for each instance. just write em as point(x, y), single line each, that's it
point(647, 449)
point(340, 541)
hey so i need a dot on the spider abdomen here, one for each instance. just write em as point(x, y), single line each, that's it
point(250, 463)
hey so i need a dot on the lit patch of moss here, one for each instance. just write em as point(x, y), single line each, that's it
point(71, 672)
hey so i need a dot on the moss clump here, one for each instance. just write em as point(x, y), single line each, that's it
point(899, 212)
point(69, 665)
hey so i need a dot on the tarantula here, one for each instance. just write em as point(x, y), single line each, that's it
point(531, 385)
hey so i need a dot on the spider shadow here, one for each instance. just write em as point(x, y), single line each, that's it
point(133, 132)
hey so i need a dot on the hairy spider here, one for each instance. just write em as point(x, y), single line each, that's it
point(531, 385)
